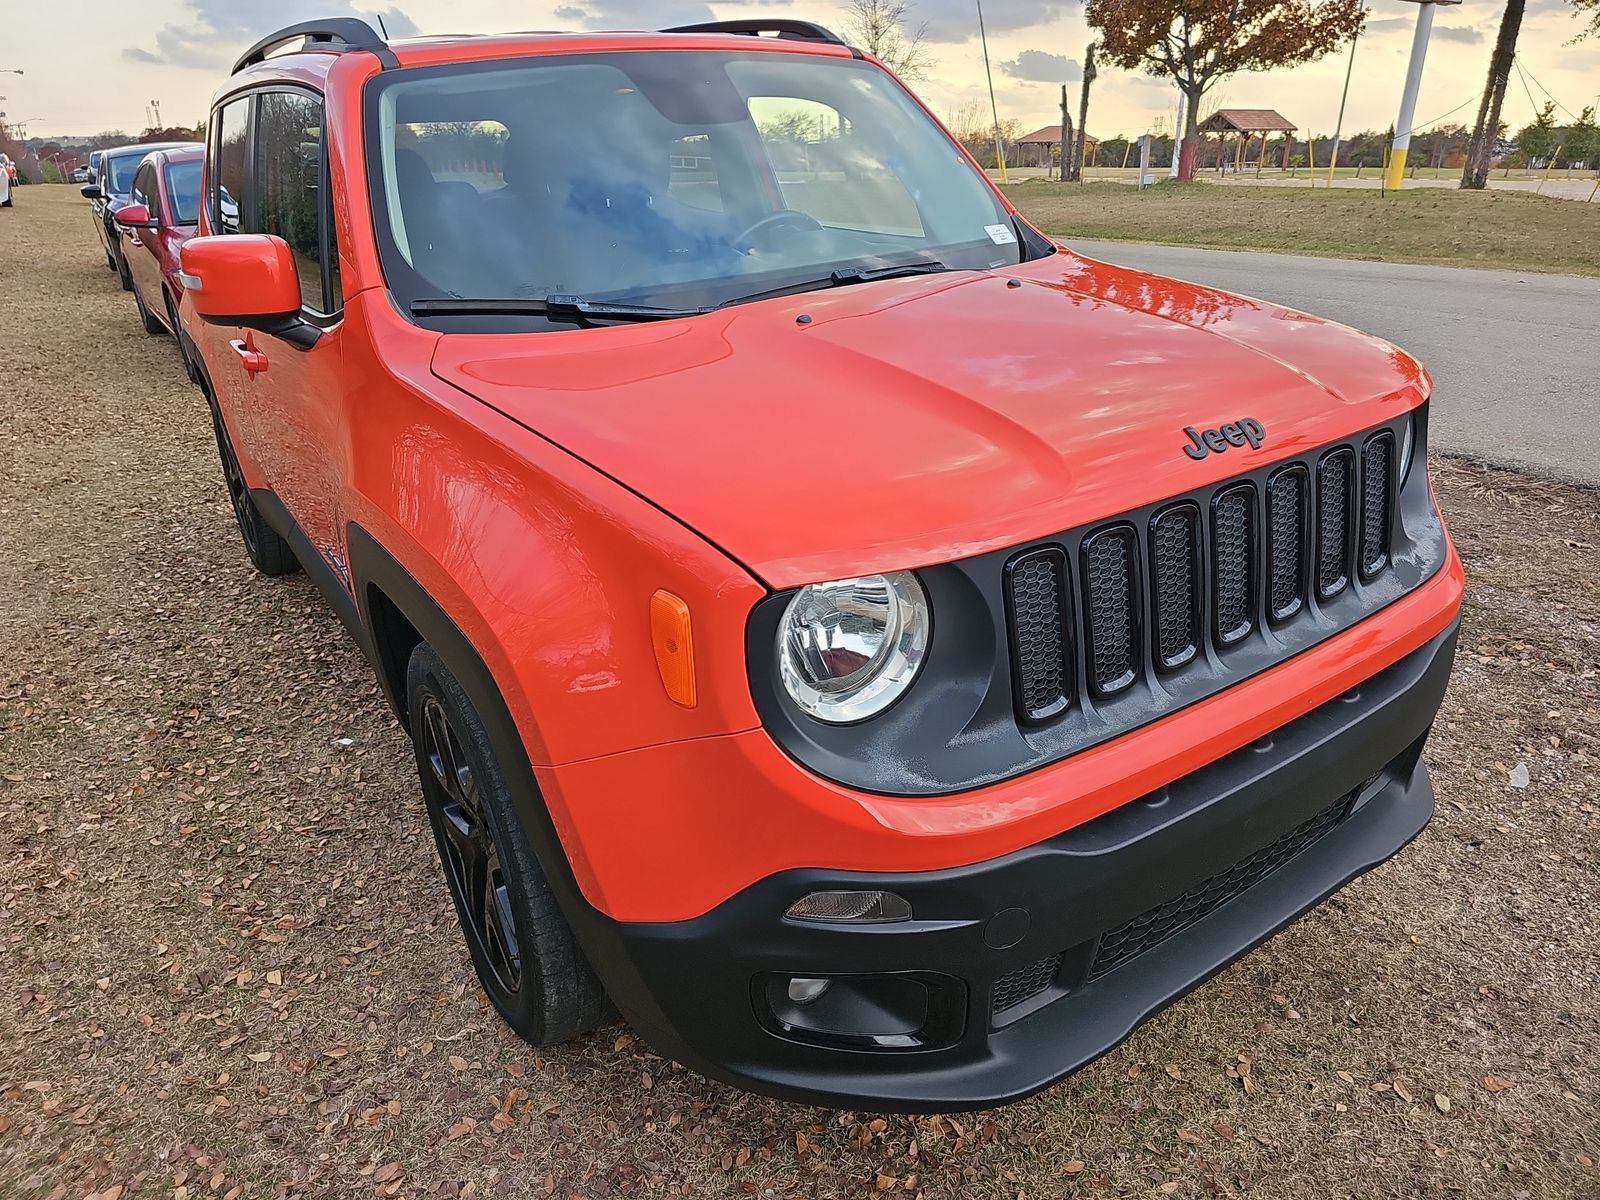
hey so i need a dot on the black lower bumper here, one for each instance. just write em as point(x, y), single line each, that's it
point(1025, 968)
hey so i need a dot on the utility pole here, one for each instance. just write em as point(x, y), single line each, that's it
point(994, 106)
point(1177, 134)
point(1408, 99)
point(1333, 158)
point(1082, 141)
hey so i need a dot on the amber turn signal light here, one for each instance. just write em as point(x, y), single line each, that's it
point(674, 641)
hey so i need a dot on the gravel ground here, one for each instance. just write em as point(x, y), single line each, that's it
point(230, 969)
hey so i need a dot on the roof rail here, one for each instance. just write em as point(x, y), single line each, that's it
point(805, 31)
point(332, 33)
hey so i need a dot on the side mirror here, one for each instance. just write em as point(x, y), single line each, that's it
point(134, 216)
point(249, 280)
point(90, 191)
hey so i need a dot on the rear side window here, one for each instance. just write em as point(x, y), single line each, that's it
point(231, 158)
point(289, 184)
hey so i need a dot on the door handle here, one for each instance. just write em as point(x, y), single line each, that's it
point(252, 360)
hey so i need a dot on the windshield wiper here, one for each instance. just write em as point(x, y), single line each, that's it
point(844, 277)
point(553, 307)
point(857, 275)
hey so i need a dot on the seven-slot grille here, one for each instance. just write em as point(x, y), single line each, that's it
point(1213, 566)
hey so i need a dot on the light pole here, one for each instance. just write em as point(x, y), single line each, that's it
point(1408, 98)
point(1333, 158)
point(994, 106)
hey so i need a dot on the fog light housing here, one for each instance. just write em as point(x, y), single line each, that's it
point(853, 908)
point(894, 1010)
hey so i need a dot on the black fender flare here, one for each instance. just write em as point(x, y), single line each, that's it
point(372, 566)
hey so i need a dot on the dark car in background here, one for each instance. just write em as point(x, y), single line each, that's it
point(109, 192)
point(161, 214)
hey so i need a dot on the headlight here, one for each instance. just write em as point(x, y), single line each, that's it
point(1408, 440)
point(847, 650)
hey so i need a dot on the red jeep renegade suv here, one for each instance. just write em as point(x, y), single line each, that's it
point(884, 653)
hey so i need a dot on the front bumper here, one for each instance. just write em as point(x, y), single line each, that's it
point(1095, 929)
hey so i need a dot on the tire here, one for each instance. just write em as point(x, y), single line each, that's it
point(189, 369)
point(269, 552)
point(152, 325)
point(526, 957)
point(123, 276)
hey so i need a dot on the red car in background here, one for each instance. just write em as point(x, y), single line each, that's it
point(163, 209)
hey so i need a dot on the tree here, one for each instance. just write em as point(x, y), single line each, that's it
point(1480, 150)
point(1199, 43)
point(1590, 9)
point(170, 133)
point(1538, 141)
point(882, 29)
point(1583, 139)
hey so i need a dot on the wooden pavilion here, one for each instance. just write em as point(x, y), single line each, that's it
point(1244, 124)
point(1037, 149)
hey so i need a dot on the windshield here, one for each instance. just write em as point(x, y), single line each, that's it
point(183, 191)
point(677, 178)
point(120, 171)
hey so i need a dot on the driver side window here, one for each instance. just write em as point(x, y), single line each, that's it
point(144, 188)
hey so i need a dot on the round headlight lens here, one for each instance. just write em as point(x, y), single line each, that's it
point(849, 649)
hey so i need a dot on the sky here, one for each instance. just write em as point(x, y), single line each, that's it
point(95, 65)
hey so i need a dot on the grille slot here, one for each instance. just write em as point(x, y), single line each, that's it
point(1377, 457)
point(1233, 562)
point(1175, 584)
point(1012, 988)
point(1288, 516)
point(1333, 522)
point(1155, 925)
point(1111, 598)
point(1038, 610)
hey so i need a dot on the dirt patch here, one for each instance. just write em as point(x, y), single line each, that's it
point(230, 968)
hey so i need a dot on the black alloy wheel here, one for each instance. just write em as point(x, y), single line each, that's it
point(524, 952)
point(469, 849)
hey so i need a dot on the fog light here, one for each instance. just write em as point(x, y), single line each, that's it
point(896, 1010)
point(804, 991)
point(859, 908)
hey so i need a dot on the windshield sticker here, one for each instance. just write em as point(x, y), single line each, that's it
point(1000, 235)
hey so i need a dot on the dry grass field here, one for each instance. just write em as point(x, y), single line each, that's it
point(228, 966)
point(1426, 225)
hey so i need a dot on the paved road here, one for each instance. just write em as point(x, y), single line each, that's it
point(1513, 355)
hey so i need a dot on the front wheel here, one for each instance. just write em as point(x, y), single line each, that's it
point(268, 550)
point(124, 276)
point(521, 946)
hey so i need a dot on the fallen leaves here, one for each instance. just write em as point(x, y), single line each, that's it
point(1495, 1083)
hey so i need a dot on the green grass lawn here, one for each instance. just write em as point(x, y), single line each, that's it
point(1427, 225)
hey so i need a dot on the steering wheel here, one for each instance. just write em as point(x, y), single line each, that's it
point(775, 220)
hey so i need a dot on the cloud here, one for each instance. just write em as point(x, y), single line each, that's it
point(1408, 25)
point(957, 20)
point(218, 31)
point(1040, 66)
point(647, 14)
